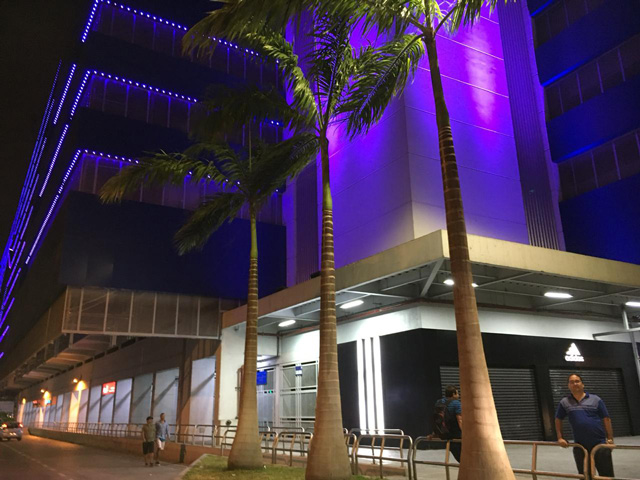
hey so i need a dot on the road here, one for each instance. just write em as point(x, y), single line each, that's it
point(44, 459)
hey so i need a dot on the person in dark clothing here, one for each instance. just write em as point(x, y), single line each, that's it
point(452, 402)
point(587, 413)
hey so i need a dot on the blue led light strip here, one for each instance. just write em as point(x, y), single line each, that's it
point(54, 158)
point(6, 312)
point(4, 333)
point(143, 85)
point(64, 92)
point(12, 284)
point(79, 94)
point(92, 14)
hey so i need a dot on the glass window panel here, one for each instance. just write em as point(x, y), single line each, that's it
point(610, 72)
point(88, 175)
point(188, 315)
point(288, 378)
point(569, 92)
point(236, 63)
point(605, 164)
point(106, 170)
point(102, 23)
point(209, 317)
point(630, 53)
point(308, 405)
point(219, 58)
point(309, 375)
point(589, 81)
point(143, 34)
point(166, 313)
point(173, 196)
point(541, 23)
point(627, 155)
point(179, 115)
point(557, 19)
point(584, 174)
point(567, 183)
point(122, 26)
point(73, 309)
point(118, 311)
point(192, 195)
point(142, 313)
point(115, 98)
point(152, 194)
point(254, 67)
point(96, 93)
point(575, 9)
point(554, 102)
point(137, 104)
point(94, 301)
point(159, 110)
point(164, 39)
point(288, 403)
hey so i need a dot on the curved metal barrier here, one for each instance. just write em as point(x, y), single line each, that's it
point(380, 442)
point(602, 446)
point(303, 439)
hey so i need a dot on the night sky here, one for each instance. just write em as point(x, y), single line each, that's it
point(34, 34)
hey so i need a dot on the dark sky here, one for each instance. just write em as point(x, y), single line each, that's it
point(34, 34)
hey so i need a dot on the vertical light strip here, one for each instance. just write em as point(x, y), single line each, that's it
point(12, 284)
point(362, 404)
point(377, 368)
point(54, 158)
point(368, 369)
point(92, 15)
point(6, 312)
point(64, 92)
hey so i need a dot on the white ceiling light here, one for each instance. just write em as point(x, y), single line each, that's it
point(449, 281)
point(631, 303)
point(353, 304)
point(474, 285)
point(557, 295)
point(286, 323)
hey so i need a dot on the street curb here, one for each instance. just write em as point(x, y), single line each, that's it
point(193, 464)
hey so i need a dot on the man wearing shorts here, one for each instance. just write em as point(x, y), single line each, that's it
point(148, 439)
point(162, 434)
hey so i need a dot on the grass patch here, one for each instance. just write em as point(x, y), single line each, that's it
point(213, 467)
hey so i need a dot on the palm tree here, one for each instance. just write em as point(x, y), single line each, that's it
point(249, 176)
point(410, 23)
point(320, 92)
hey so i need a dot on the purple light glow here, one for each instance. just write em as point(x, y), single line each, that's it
point(54, 158)
point(10, 289)
point(4, 333)
point(64, 93)
point(1, 354)
point(6, 312)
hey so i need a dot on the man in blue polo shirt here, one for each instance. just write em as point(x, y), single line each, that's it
point(587, 413)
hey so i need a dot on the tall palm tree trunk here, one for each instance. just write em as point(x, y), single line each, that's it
point(245, 451)
point(483, 453)
point(328, 459)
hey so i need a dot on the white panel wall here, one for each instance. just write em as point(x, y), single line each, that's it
point(141, 402)
point(66, 408)
point(202, 391)
point(122, 401)
point(93, 414)
point(106, 408)
point(83, 405)
point(166, 395)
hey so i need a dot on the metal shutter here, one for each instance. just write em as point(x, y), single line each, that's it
point(607, 384)
point(516, 398)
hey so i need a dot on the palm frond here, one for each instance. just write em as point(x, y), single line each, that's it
point(206, 219)
point(467, 13)
point(382, 73)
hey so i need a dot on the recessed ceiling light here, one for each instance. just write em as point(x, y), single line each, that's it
point(474, 285)
point(633, 304)
point(353, 304)
point(286, 323)
point(449, 281)
point(557, 295)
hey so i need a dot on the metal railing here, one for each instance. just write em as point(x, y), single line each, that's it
point(379, 448)
point(602, 446)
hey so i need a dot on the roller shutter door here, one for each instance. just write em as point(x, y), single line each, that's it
point(516, 398)
point(607, 384)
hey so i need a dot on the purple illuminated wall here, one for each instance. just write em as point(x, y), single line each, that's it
point(387, 186)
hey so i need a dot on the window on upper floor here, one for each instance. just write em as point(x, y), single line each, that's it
point(605, 164)
point(557, 17)
point(604, 73)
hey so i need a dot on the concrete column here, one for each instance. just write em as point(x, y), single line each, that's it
point(122, 401)
point(93, 413)
point(165, 398)
point(141, 398)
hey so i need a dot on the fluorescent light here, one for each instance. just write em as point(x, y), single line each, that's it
point(557, 295)
point(449, 281)
point(474, 285)
point(353, 304)
point(286, 323)
point(633, 304)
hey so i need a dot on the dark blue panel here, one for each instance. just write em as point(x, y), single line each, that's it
point(592, 35)
point(131, 246)
point(607, 116)
point(605, 222)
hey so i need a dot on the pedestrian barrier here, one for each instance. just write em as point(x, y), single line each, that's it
point(379, 442)
point(379, 448)
point(610, 447)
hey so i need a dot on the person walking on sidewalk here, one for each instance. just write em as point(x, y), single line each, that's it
point(162, 435)
point(148, 439)
point(587, 413)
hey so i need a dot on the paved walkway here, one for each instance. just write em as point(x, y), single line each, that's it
point(44, 459)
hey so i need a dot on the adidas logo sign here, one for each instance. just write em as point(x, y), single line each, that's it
point(573, 354)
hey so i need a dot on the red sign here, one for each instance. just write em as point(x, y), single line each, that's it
point(108, 388)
